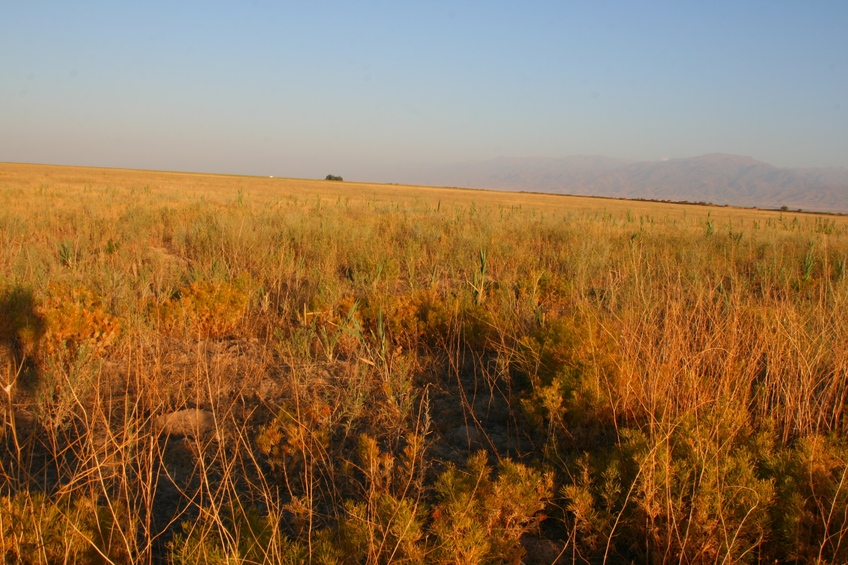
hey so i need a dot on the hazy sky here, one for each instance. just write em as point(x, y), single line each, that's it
point(310, 88)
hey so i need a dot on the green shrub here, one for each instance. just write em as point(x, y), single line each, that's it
point(810, 513)
point(37, 530)
point(239, 535)
point(689, 491)
point(480, 519)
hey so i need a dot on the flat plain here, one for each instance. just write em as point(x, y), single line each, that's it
point(221, 369)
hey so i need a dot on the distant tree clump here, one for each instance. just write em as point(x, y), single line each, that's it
point(333, 177)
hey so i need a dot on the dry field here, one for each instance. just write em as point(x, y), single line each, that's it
point(219, 369)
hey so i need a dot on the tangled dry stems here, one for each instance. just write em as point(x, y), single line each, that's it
point(420, 377)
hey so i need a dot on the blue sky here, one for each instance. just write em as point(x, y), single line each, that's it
point(306, 88)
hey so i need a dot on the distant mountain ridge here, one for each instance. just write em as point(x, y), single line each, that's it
point(716, 178)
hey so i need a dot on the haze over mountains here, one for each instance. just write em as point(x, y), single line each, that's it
point(715, 178)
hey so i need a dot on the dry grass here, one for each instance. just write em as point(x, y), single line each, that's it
point(204, 368)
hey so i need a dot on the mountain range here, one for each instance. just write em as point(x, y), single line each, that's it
point(715, 178)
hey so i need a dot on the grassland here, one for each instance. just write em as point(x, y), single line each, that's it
point(218, 369)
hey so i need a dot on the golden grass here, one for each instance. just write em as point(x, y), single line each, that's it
point(671, 377)
point(69, 183)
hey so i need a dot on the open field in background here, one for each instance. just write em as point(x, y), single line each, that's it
point(216, 369)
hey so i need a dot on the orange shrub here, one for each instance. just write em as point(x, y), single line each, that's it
point(76, 317)
point(209, 309)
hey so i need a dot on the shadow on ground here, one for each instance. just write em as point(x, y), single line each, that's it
point(21, 330)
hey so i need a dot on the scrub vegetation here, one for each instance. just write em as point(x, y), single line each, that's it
point(210, 369)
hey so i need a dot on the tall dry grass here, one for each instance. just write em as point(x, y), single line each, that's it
point(224, 369)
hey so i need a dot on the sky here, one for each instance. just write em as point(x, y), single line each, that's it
point(305, 89)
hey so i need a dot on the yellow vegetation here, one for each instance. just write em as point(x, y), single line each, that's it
point(417, 375)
